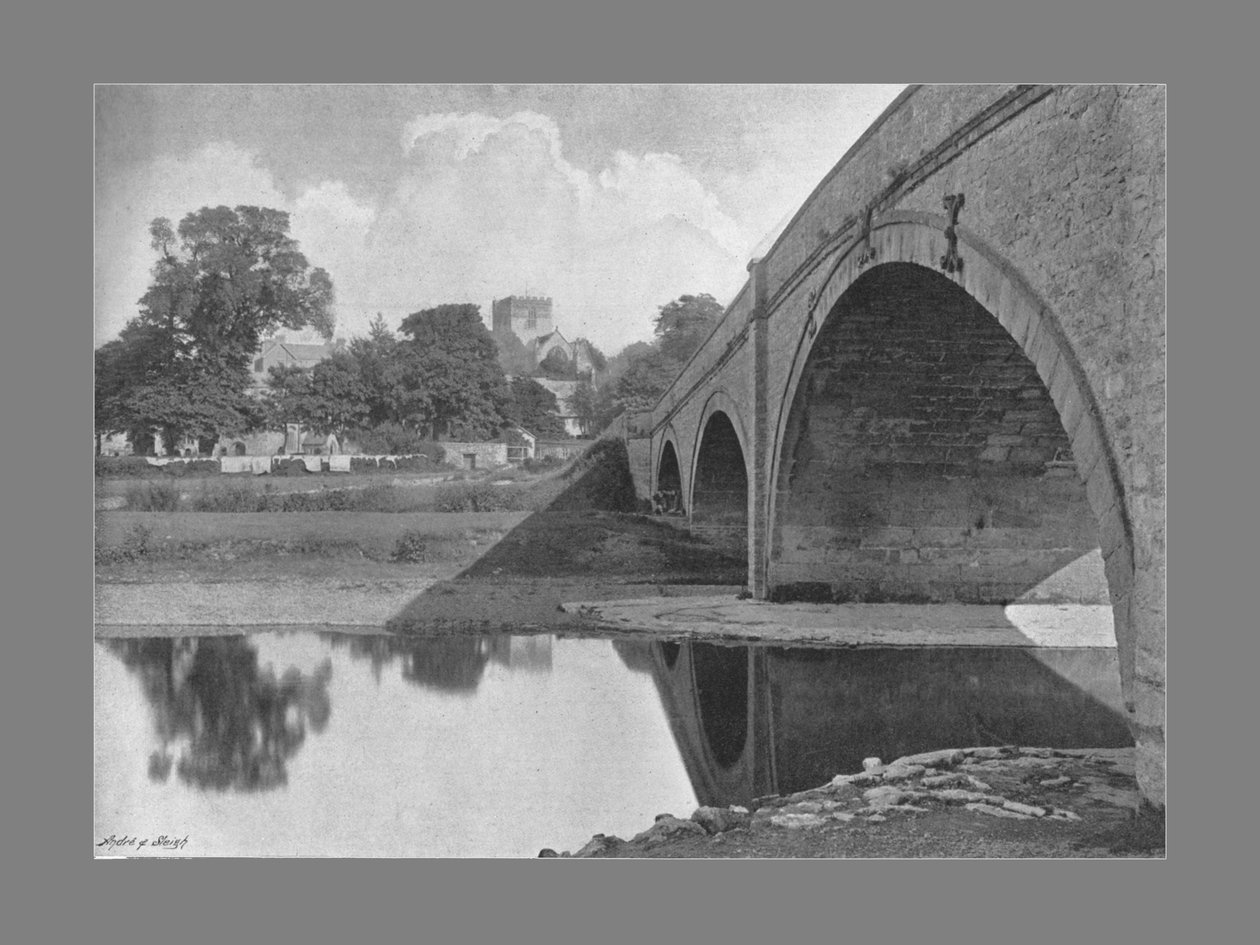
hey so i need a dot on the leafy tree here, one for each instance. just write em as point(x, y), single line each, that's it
point(341, 396)
point(288, 394)
point(377, 360)
point(450, 375)
point(585, 404)
point(222, 281)
point(558, 366)
point(391, 437)
point(640, 374)
point(599, 362)
point(112, 373)
point(534, 407)
point(683, 324)
point(328, 398)
point(514, 357)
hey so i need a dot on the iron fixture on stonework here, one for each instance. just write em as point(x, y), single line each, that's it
point(811, 326)
point(867, 255)
point(951, 261)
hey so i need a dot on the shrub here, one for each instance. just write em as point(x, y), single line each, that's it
point(305, 502)
point(545, 462)
point(478, 497)
point(233, 497)
point(417, 463)
point(191, 467)
point(124, 467)
point(381, 497)
point(362, 463)
point(153, 497)
point(411, 547)
point(393, 438)
point(136, 544)
point(288, 467)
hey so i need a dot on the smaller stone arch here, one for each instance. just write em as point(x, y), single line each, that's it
point(719, 496)
point(668, 496)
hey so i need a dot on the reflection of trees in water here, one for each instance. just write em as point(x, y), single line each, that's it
point(235, 726)
point(447, 663)
point(451, 663)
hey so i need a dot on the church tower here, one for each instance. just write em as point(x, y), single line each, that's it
point(526, 316)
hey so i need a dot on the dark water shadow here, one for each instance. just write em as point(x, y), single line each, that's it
point(808, 714)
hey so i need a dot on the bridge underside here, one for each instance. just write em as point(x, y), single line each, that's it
point(719, 498)
point(924, 460)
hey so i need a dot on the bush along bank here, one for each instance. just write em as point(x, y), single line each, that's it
point(245, 497)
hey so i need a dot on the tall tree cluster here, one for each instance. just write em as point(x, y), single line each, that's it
point(223, 279)
point(440, 376)
point(227, 277)
point(640, 374)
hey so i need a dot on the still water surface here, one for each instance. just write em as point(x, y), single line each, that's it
point(306, 743)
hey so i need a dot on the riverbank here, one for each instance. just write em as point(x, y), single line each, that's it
point(986, 802)
point(575, 562)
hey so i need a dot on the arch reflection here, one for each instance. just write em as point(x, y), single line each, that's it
point(806, 714)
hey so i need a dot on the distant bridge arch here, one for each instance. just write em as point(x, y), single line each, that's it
point(720, 497)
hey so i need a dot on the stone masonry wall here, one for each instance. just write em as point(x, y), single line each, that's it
point(929, 462)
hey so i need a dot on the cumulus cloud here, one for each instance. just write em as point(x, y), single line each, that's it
point(328, 223)
point(491, 206)
point(482, 207)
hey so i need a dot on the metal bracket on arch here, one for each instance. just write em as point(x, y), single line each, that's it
point(951, 261)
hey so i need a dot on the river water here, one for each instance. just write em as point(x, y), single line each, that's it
point(308, 743)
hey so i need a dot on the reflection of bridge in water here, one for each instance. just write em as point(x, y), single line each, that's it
point(756, 720)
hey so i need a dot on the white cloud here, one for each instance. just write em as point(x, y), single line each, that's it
point(218, 173)
point(326, 220)
point(490, 206)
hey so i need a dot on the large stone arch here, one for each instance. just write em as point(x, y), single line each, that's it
point(719, 499)
point(993, 283)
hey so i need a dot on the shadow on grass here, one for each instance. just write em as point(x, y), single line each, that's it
point(590, 532)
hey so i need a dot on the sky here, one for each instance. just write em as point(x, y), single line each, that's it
point(611, 199)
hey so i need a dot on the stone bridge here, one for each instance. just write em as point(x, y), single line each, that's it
point(944, 382)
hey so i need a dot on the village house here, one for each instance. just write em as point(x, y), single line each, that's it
point(279, 351)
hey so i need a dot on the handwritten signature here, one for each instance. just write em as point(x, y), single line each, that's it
point(126, 841)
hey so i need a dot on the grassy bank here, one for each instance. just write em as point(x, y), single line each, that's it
point(566, 536)
point(157, 536)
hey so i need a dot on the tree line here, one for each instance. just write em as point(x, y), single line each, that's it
point(226, 278)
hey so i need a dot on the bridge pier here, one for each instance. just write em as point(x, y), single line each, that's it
point(759, 460)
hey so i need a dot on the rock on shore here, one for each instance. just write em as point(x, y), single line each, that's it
point(991, 783)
